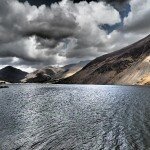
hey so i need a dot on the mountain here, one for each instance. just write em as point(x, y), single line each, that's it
point(71, 69)
point(52, 74)
point(128, 66)
point(11, 74)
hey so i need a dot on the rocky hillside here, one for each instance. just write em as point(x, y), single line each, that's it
point(11, 74)
point(47, 74)
point(52, 74)
point(128, 66)
point(71, 69)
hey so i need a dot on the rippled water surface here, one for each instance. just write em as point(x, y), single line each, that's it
point(79, 117)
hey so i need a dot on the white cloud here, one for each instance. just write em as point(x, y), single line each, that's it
point(48, 35)
point(138, 20)
point(65, 32)
point(136, 26)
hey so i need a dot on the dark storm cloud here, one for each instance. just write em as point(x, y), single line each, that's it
point(120, 5)
point(40, 2)
point(34, 64)
point(141, 25)
point(59, 28)
point(138, 20)
point(116, 1)
point(45, 34)
point(6, 61)
point(49, 2)
point(65, 31)
point(16, 31)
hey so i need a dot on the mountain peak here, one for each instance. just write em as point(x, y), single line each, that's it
point(8, 67)
point(11, 74)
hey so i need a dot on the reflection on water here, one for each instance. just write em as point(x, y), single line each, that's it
point(80, 117)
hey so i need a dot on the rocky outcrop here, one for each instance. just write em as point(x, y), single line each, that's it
point(128, 66)
point(47, 74)
point(144, 80)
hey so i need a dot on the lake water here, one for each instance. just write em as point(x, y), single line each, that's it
point(79, 117)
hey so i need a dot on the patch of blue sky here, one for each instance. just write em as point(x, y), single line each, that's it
point(123, 13)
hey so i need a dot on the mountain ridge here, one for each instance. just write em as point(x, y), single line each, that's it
point(51, 74)
point(113, 68)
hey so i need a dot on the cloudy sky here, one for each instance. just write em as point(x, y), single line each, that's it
point(35, 33)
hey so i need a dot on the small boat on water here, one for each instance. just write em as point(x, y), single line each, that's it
point(3, 86)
